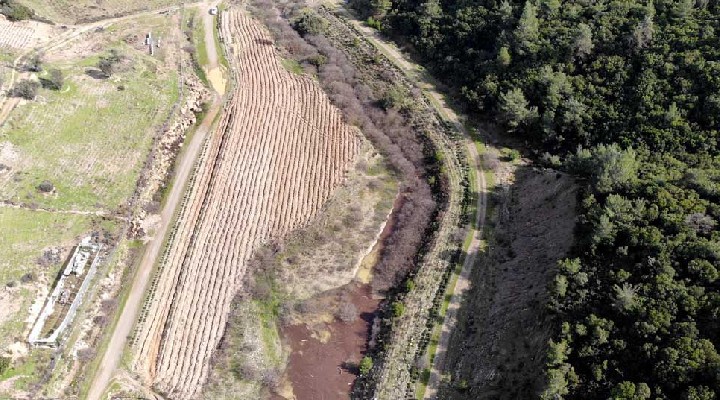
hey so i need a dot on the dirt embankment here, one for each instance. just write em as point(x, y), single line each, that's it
point(498, 348)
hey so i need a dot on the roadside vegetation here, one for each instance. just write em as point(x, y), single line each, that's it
point(624, 95)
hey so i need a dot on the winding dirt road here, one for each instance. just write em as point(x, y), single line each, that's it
point(437, 99)
point(114, 351)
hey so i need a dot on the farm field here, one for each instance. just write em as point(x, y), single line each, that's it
point(73, 12)
point(97, 150)
point(279, 151)
point(22, 34)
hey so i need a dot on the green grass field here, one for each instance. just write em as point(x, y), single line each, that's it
point(89, 139)
point(72, 11)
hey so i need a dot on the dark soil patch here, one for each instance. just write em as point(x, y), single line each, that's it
point(319, 370)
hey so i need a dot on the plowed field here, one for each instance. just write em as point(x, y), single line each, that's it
point(279, 151)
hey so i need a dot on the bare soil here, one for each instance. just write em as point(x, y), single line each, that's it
point(326, 369)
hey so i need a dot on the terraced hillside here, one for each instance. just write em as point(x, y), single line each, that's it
point(279, 151)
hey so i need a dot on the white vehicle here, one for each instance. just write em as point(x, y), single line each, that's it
point(213, 11)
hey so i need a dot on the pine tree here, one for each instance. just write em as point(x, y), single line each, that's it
point(527, 33)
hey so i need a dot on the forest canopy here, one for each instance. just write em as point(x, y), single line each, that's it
point(625, 94)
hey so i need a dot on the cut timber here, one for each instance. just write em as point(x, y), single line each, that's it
point(279, 151)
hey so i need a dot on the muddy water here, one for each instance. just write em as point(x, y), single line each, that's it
point(320, 370)
point(327, 369)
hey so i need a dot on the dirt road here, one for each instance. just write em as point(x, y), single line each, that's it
point(214, 74)
point(437, 99)
point(113, 353)
point(129, 315)
point(463, 282)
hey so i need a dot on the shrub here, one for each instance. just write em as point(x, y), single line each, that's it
point(46, 187)
point(27, 278)
point(27, 89)
point(347, 312)
point(309, 23)
point(35, 62)
point(55, 81)
point(365, 365)
point(5, 363)
point(317, 60)
point(86, 355)
point(398, 309)
point(374, 23)
point(107, 63)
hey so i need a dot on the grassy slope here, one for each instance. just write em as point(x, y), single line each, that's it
point(87, 120)
point(69, 11)
point(82, 138)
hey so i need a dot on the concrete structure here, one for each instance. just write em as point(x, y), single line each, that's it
point(66, 297)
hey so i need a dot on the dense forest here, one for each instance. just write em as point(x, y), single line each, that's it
point(625, 94)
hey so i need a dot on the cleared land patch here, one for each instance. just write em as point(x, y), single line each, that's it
point(278, 153)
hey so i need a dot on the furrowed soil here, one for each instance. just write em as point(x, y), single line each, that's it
point(498, 348)
point(279, 152)
point(301, 283)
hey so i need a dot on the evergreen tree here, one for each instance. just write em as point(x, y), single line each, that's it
point(527, 33)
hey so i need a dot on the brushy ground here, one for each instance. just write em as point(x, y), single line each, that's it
point(33, 247)
point(90, 138)
point(498, 348)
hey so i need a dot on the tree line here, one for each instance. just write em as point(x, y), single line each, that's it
point(625, 94)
